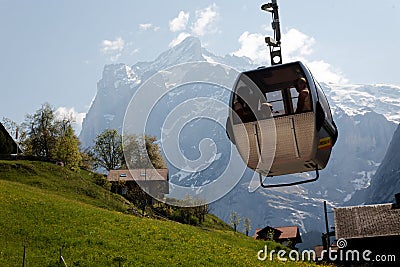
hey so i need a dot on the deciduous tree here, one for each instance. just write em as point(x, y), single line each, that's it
point(49, 137)
point(67, 146)
point(107, 150)
point(247, 226)
point(138, 155)
point(234, 220)
point(153, 151)
point(41, 132)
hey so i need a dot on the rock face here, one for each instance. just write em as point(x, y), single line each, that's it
point(114, 91)
point(386, 181)
point(365, 116)
point(119, 82)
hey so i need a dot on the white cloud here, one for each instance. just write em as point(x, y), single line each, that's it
point(71, 113)
point(324, 72)
point(205, 20)
point(113, 48)
point(252, 45)
point(182, 36)
point(298, 46)
point(109, 46)
point(145, 26)
point(179, 23)
point(204, 23)
point(148, 26)
point(295, 46)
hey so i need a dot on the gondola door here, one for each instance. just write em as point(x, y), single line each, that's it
point(253, 127)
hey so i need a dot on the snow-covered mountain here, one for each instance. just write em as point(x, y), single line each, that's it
point(361, 99)
point(366, 116)
point(120, 81)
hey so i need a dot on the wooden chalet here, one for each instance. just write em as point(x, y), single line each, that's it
point(288, 235)
point(154, 181)
point(267, 233)
point(8, 146)
point(370, 227)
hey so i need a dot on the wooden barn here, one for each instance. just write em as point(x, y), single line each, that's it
point(7, 144)
point(287, 235)
point(371, 227)
point(153, 181)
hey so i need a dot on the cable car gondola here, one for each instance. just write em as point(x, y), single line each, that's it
point(280, 119)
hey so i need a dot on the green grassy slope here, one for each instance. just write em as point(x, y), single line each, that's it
point(46, 215)
point(61, 181)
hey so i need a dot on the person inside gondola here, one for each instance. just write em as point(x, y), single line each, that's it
point(304, 100)
point(241, 106)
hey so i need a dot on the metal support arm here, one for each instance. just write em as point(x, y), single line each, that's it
point(274, 43)
point(290, 184)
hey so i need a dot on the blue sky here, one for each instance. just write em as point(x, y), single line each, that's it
point(54, 51)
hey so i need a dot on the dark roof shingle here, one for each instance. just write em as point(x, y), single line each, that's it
point(367, 221)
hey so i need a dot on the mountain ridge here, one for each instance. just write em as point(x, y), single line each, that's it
point(366, 117)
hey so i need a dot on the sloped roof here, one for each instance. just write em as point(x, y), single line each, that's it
point(288, 232)
point(263, 232)
point(7, 143)
point(282, 233)
point(138, 175)
point(256, 233)
point(367, 221)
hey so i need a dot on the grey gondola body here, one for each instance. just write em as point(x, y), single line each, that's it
point(275, 139)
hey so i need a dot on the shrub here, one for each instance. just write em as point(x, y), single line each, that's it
point(102, 181)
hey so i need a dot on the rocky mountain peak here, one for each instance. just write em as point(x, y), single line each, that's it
point(365, 116)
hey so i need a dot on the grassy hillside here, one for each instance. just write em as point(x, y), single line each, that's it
point(47, 207)
point(61, 181)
